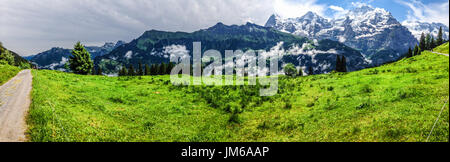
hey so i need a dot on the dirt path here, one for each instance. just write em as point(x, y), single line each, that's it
point(440, 53)
point(14, 103)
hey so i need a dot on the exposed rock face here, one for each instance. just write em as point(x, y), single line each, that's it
point(372, 31)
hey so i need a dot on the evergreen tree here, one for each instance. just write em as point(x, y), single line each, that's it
point(343, 64)
point(428, 42)
point(123, 72)
point(80, 62)
point(153, 69)
point(410, 52)
point(140, 71)
point(170, 67)
point(300, 72)
point(310, 71)
point(162, 69)
point(432, 43)
point(439, 39)
point(338, 63)
point(416, 50)
point(131, 71)
point(147, 70)
point(99, 71)
point(422, 42)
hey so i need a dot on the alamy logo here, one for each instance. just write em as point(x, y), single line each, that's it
point(236, 68)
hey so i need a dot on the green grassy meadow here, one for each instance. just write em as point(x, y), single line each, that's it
point(442, 48)
point(395, 102)
point(7, 72)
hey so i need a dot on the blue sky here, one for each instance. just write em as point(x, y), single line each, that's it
point(29, 26)
point(398, 8)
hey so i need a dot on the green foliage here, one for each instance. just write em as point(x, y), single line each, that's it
point(394, 102)
point(422, 42)
point(6, 56)
point(7, 72)
point(417, 50)
point(80, 62)
point(341, 64)
point(290, 70)
point(439, 39)
point(442, 48)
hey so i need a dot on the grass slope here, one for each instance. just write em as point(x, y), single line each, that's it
point(395, 102)
point(442, 48)
point(7, 72)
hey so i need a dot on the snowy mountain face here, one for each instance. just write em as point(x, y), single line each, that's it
point(417, 28)
point(372, 31)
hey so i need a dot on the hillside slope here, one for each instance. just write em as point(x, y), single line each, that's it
point(154, 47)
point(395, 102)
point(7, 72)
point(442, 48)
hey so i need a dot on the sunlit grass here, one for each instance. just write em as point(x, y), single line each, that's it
point(7, 72)
point(395, 102)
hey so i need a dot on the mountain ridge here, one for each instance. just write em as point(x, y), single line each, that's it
point(154, 47)
point(372, 31)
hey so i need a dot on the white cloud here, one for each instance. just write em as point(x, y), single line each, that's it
point(361, 4)
point(29, 27)
point(292, 9)
point(431, 12)
point(338, 11)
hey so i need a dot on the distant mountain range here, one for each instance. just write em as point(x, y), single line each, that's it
point(372, 31)
point(156, 46)
point(55, 58)
point(417, 28)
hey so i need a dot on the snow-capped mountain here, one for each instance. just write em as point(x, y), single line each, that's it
point(417, 28)
point(373, 31)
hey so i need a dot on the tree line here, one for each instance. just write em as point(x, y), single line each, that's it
point(427, 42)
point(145, 69)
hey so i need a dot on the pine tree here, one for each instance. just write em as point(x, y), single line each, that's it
point(338, 63)
point(422, 42)
point(131, 71)
point(439, 40)
point(416, 50)
point(432, 43)
point(428, 42)
point(300, 72)
point(140, 72)
point(343, 64)
point(410, 52)
point(147, 69)
point(99, 71)
point(80, 62)
point(170, 67)
point(310, 71)
point(123, 72)
point(153, 69)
